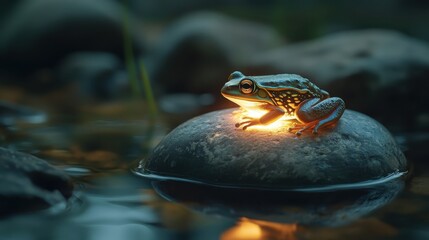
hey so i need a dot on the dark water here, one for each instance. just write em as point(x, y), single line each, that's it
point(111, 202)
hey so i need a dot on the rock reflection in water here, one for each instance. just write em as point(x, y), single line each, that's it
point(329, 208)
point(249, 229)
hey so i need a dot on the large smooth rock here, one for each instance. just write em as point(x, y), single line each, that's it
point(211, 150)
point(379, 72)
point(29, 183)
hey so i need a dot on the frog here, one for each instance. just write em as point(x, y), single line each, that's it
point(281, 95)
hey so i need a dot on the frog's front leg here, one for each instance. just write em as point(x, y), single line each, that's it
point(273, 114)
point(317, 113)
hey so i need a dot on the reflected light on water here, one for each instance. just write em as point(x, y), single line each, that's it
point(249, 229)
point(245, 230)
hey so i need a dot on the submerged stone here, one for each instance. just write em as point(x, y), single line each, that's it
point(209, 149)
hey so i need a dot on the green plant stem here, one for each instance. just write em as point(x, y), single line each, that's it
point(153, 111)
point(128, 51)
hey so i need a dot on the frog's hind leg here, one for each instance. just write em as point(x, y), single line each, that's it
point(330, 120)
point(316, 113)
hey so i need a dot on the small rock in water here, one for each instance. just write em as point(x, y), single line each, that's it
point(11, 113)
point(29, 183)
point(99, 75)
point(209, 149)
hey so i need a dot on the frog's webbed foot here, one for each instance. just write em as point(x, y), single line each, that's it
point(249, 122)
point(300, 128)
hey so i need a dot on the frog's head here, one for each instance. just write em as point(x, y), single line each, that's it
point(244, 91)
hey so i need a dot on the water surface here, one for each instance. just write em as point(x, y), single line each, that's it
point(111, 202)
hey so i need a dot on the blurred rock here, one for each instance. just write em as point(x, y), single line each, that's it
point(38, 34)
point(211, 150)
point(30, 183)
point(184, 103)
point(165, 9)
point(11, 113)
point(98, 75)
point(415, 146)
point(6, 6)
point(180, 107)
point(197, 52)
point(379, 72)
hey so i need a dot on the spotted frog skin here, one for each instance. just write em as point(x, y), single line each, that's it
point(284, 94)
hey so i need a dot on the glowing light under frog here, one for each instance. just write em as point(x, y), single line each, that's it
point(254, 110)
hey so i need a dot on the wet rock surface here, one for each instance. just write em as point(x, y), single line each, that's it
point(379, 72)
point(211, 150)
point(29, 183)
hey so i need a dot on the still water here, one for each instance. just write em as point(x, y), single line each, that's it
point(111, 202)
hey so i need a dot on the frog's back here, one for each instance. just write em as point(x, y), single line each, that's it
point(286, 81)
point(288, 90)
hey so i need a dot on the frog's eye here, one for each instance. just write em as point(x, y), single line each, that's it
point(246, 86)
